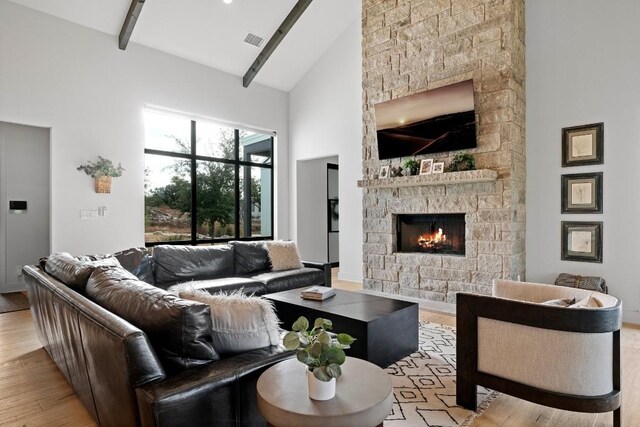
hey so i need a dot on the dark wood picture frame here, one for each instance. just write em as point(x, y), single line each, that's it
point(583, 145)
point(581, 193)
point(590, 241)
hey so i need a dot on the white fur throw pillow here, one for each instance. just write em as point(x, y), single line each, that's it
point(240, 323)
point(283, 255)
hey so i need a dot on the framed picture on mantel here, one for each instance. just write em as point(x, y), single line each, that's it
point(583, 145)
point(582, 193)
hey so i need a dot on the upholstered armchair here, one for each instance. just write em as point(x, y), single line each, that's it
point(563, 357)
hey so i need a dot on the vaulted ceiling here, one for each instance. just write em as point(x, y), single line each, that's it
point(211, 32)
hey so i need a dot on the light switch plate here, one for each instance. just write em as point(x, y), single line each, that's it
point(88, 215)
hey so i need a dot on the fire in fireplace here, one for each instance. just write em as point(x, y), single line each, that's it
point(431, 233)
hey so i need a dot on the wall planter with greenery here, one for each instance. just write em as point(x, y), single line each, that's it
point(102, 171)
point(323, 353)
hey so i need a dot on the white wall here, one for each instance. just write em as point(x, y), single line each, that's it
point(325, 119)
point(311, 213)
point(583, 67)
point(75, 80)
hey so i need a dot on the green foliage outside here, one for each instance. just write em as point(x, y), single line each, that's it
point(215, 191)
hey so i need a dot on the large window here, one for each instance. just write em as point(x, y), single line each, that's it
point(206, 183)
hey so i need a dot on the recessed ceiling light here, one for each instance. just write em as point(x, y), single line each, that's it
point(227, 1)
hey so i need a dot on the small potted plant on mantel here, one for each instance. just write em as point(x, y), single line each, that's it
point(102, 171)
point(412, 166)
point(323, 353)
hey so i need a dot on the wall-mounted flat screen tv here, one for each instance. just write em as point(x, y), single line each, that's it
point(434, 121)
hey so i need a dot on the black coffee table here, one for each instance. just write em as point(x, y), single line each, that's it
point(386, 329)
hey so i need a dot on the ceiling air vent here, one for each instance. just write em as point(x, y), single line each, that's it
point(254, 40)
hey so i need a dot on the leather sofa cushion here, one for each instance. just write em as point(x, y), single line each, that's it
point(179, 330)
point(74, 272)
point(226, 284)
point(174, 264)
point(250, 257)
point(131, 258)
point(277, 281)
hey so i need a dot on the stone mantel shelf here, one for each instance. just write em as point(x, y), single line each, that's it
point(447, 178)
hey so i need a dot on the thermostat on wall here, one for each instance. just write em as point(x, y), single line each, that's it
point(17, 205)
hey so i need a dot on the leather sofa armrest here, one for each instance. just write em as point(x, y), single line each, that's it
point(207, 394)
point(324, 266)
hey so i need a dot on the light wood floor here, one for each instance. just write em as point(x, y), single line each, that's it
point(34, 393)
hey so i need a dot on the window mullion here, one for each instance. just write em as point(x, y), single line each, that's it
point(236, 133)
point(194, 186)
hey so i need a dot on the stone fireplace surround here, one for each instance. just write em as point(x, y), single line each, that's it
point(416, 45)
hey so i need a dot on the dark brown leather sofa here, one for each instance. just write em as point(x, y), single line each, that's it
point(121, 374)
point(117, 374)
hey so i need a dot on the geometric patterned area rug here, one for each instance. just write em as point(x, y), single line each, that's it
point(424, 384)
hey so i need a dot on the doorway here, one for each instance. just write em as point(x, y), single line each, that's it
point(24, 201)
point(333, 215)
point(317, 207)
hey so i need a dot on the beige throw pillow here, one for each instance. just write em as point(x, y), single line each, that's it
point(240, 323)
point(283, 255)
point(563, 302)
point(592, 301)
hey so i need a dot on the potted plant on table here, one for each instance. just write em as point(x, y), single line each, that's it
point(102, 171)
point(322, 351)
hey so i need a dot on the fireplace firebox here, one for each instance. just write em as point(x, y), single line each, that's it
point(431, 233)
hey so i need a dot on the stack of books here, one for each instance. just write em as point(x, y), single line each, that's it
point(318, 293)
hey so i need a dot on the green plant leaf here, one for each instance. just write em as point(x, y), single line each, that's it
point(291, 341)
point(334, 370)
point(321, 374)
point(327, 324)
point(318, 323)
point(315, 350)
point(302, 356)
point(324, 338)
point(335, 355)
point(300, 325)
point(345, 339)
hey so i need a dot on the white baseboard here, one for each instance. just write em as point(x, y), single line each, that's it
point(629, 316)
point(16, 287)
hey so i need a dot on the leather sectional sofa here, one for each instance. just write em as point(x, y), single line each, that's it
point(119, 341)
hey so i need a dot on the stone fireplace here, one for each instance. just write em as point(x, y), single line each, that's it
point(430, 233)
point(413, 46)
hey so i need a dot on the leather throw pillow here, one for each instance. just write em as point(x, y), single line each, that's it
point(179, 330)
point(74, 272)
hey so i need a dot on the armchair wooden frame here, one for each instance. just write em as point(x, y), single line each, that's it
point(471, 307)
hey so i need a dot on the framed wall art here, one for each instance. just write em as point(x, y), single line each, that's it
point(425, 166)
point(438, 167)
point(582, 193)
point(583, 145)
point(581, 241)
point(384, 171)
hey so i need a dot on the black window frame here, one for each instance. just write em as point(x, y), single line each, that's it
point(238, 164)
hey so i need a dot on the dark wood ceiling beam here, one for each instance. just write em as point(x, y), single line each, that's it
point(130, 23)
point(275, 40)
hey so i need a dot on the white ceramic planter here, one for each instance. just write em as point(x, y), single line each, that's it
point(320, 390)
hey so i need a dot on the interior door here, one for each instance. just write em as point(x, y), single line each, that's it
point(24, 200)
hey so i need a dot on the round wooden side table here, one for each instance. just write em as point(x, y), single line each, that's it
point(364, 396)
